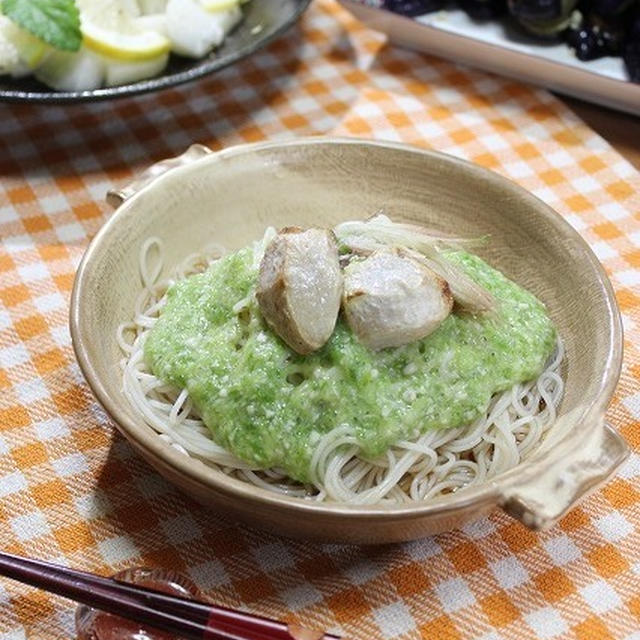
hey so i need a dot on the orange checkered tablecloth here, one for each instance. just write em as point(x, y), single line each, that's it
point(71, 490)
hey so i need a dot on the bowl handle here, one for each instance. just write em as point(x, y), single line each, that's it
point(117, 196)
point(558, 482)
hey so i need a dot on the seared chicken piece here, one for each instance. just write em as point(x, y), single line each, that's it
point(299, 287)
point(390, 299)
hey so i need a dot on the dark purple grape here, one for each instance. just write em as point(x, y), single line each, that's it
point(484, 9)
point(631, 49)
point(413, 7)
point(595, 38)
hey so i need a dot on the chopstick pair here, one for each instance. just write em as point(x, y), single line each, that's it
point(189, 619)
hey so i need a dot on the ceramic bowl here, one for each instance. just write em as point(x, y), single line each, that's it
point(232, 195)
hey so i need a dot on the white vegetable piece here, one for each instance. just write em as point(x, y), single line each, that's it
point(300, 286)
point(152, 6)
point(390, 299)
point(194, 31)
point(118, 72)
point(65, 71)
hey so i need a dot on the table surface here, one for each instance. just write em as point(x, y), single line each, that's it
point(620, 130)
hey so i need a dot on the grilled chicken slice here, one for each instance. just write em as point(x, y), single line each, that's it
point(390, 299)
point(299, 287)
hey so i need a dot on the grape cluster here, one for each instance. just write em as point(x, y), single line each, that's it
point(592, 28)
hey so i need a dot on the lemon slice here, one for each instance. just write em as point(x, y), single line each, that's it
point(133, 46)
point(219, 5)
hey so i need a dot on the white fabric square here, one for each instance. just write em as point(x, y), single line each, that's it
point(70, 465)
point(613, 211)
point(16, 244)
point(631, 468)
point(8, 214)
point(302, 596)
point(363, 571)
point(12, 483)
point(117, 550)
point(181, 529)
point(13, 356)
point(5, 319)
point(614, 526)
point(53, 204)
point(479, 528)
point(61, 336)
point(603, 250)
point(509, 572)
point(4, 448)
point(273, 556)
point(33, 271)
point(49, 302)
point(454, 594)
point(29, 525)
point(48, 429)
point(628, 278)
point(394, 619)
point(423, 549)
point(15, 634)
point(32, 391)
point(92, 505)
point(209, 574)
point(600, 596)
point(562, 550)
point(71, 232)
point(546, 623)
point(632, 404)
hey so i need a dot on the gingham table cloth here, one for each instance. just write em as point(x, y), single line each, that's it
point(73, 491)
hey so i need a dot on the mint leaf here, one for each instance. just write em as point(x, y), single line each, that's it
point(57, 22)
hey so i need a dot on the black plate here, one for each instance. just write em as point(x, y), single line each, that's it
point(264, 20)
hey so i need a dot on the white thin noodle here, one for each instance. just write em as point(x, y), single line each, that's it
point(439, 462)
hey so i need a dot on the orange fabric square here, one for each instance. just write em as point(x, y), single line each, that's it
point(409, 579)
point(607, 230)
point(49, 493)
point(74, 537)
point(486, 160)
point(13, 417)
point(13, 296)
point(592, 629)
point(254, 588)
point(634, 606)
point(527, 151)
point(34, 224)
point(87, 210)
point(73, 399)
point(295, 121)
point(554, 584)
point(163, 557)
point(621, 493)
point(64, 281)
point(52, 252)
point(461, 136)
point(32, 606)
point(348, 604)
point(578, 203)
point(4, 381)
point(607, 561)
point(439, 113)
point(631, 433)
point(22, 194)
point(466, 557)
point(29, 455)
point(30, 327)
point(440, 628)
point(620, 190)
point(518, 537)
point(552, 176)
point(499, 609)
point(6, 263)
point(592, 164)
point(93, 438)
point(633, 257)
point(49, 361)
point(575, 519)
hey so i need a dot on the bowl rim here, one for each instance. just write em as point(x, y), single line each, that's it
point(216, 481)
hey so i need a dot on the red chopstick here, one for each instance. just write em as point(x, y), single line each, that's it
point(189, 619)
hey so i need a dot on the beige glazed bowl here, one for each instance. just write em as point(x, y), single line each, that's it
point(231, 196)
